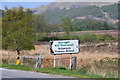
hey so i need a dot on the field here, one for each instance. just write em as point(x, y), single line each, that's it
point(88, 51)
point(89, 58)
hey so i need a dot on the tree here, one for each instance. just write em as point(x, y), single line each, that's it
point(87, 24)
point(39, 24)
point(67, 25)
point(17, 32)
point(0, 33)
point(105, 26)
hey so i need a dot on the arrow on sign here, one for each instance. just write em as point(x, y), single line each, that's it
point(64, 46)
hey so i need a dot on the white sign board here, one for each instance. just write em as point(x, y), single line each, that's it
point(64, 47)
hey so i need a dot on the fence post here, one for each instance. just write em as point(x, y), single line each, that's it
point(39, 61)
point(22, 60)
point(8, 58)
point(74, 62)
point(59, 60)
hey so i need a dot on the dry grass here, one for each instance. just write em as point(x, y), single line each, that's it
point(88, 54)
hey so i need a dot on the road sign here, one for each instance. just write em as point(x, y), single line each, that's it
point(64, 47)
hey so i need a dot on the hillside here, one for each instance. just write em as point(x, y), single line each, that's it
point(66, 5)
point(58, 5)
point(1, 11)
point(55, 11)
point(54, 16)
point(112, 10)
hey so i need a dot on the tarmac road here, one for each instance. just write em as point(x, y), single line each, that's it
point(8, 73)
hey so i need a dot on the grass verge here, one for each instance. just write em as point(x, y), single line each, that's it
point(57, 71)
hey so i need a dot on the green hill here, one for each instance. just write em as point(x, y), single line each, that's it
point(54, 16)
point(112, 10)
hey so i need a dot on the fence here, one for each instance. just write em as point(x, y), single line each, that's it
point(29, 61)
point(49, 62)
point(9, 57)
point(64, 62)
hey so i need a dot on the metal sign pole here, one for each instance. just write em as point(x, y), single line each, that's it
point(64, 47)
point(54, 60)
point(70, 61)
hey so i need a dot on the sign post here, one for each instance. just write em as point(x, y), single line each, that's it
point(59, 47)
point(70, 61)
point(54, 60)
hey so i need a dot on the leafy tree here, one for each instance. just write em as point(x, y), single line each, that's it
point(17, 30)
point(88, 37)
point(87, 24)
point(1, 33)
point(43, 29)
point(67, 25)
point(52, 28)
point(105, 25)
point(39, 25)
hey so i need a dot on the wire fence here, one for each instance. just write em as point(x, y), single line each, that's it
point(47, 62)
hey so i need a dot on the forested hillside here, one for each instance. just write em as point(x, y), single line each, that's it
point(89, 24)
point(97, 11)
point(112, 10)
point(54, 16)
point(83, 17)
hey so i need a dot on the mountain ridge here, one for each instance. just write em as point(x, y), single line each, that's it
point(66, 5)
point(77, 10)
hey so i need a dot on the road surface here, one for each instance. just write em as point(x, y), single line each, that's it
point(7, 73)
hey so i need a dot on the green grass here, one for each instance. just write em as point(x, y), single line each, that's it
point(57, 70)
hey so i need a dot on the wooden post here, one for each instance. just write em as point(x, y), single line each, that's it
point(21, 59)
point(70, 61)
point(8, 58)
point(39, 61)
point(74, 62)
point(59, 60)
point(54, 61)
